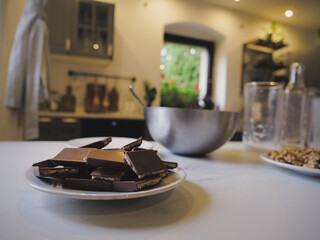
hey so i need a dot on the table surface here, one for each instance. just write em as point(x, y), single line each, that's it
point(229, 194)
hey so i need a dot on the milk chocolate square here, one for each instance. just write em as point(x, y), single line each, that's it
point(72, 155)
point(113, 159)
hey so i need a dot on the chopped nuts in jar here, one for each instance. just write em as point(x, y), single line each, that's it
point(305, 157)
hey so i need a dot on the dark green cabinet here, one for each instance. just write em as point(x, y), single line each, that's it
point(82, 28)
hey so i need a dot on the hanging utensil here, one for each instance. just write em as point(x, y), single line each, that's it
point(136, 96)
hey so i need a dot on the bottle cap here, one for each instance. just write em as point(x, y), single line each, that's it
point(297, 67)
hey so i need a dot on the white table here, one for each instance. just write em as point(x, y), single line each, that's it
point(230, 194)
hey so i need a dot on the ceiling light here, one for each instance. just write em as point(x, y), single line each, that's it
point(288, 13)
point(236, 0)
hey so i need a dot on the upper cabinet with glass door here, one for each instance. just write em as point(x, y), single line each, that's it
point(83, 28)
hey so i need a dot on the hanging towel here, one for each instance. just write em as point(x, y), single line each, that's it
point(27, 81)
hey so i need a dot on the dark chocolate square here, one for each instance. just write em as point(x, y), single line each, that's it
point(145, 163)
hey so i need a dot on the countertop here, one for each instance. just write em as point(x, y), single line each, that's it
point(229, 194)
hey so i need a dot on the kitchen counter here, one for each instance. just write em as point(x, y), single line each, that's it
point(229, 194)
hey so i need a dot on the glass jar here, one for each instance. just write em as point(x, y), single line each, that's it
point(262, 113)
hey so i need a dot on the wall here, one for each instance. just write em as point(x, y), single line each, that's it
point(10, 123)
point(139, 28)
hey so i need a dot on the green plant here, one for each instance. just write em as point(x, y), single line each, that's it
point(274, 36)
point(180, 75)
point(150, 93)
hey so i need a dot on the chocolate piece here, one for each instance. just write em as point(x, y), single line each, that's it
point(45, 163)
point(170, 165)
point(98, 144)
point(130, 186)
point(50, 168)
point(113, 159)
point(56, 168)
point(54, 180)
point(88, 184)
point(132, 145)
point(130, 175)
point(145, 163)
point(73, 155)
point(57, 171)
point(139, 149)
point(114, 149)
point(107, 174)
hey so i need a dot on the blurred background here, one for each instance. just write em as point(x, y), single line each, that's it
point(179, 53)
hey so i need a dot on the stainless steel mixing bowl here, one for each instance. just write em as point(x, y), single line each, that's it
point(190, 131)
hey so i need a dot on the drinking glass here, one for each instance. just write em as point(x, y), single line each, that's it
point(262, 114)
point(313, 120)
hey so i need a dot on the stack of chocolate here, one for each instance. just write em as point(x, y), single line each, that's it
point(90, 167)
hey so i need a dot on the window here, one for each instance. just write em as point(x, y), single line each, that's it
point(186, 78)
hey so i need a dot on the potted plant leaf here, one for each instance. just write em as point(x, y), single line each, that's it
point(150, 93)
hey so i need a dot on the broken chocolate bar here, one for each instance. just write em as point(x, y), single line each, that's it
point(57, 171)
point(139, 149)
point(107, 174)
point(170, 165)
point(145, 163)
point(132, 145)
point(54, 180)
point(113, 159)
point(57, 168)
point(130, 186)
point(50, 168)
point(88, 184)
point(98, 144)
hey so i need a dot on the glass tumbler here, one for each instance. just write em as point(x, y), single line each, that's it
point(262, 115)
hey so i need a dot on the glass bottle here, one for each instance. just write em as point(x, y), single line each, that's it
point(293, 123)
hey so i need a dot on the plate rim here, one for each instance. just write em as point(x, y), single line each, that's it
point(32, 181)
point(300, 169)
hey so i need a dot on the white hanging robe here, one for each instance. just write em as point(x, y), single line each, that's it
point(27, 81)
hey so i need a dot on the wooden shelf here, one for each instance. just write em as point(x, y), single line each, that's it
point(257, 62)
point(261, 46)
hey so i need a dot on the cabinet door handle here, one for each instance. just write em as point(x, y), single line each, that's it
point(45, 120)
point(69, 120)
point(68, 45)
point(109, 49)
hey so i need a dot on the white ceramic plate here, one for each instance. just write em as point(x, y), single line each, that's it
point(117, 142)
point(299, 169)
point(175, 178)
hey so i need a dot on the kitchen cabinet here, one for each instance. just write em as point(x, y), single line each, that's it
point(112, 127)
point(58, 129)
point(66, 128)
point(258, 63)
point(82, 28)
